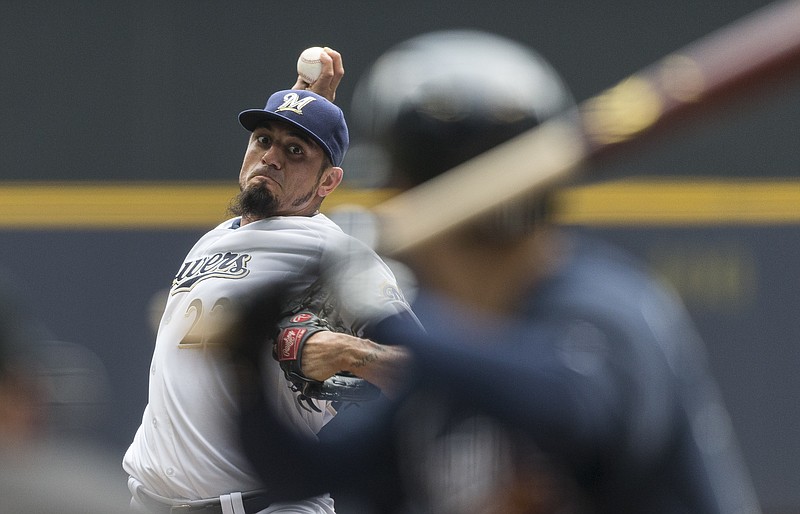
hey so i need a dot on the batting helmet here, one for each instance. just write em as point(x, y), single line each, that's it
point(439, 99)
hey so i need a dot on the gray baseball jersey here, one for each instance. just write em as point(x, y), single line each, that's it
point(186, 446)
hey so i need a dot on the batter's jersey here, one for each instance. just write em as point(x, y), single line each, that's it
point(186, 446)
point(595, 397)
point(603, 370)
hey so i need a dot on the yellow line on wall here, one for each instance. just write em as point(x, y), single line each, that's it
point(683, 202)
point(78, 205)
point(99, 205)
point(171, 205)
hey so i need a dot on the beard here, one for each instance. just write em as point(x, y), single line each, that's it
point(254, 202)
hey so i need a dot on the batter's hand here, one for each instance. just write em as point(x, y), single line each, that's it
point(328, 81)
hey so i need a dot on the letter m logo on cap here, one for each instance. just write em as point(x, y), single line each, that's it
point(293, 102)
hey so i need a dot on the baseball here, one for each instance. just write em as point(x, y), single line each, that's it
point(309, 65)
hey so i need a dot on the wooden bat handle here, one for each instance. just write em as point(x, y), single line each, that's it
point(753, 53)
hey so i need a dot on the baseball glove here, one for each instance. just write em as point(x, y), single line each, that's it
point(292, 334)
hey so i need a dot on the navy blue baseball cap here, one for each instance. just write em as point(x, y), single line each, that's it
point(313, 114)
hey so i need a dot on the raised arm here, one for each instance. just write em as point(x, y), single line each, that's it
point(329, 79)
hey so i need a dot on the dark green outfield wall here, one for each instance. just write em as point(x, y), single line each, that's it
point(150, 90)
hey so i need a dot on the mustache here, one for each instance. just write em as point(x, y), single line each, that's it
point(263, 171)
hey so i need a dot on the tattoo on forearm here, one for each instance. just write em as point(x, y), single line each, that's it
point(370, 357)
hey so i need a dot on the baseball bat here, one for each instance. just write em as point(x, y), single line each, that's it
point(754, 53)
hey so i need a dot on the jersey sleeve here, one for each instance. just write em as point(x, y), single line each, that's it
point(366, 288)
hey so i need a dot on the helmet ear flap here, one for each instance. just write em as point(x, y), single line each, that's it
point(514, 220)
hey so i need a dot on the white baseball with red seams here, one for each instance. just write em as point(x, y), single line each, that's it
point(309, 64)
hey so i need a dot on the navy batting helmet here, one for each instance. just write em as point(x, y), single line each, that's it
point(439, 99)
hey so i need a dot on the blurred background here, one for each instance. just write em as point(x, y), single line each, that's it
point(120, 146)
